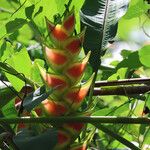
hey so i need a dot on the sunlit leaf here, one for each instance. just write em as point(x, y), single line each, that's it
point(21, 62)
point(144, 55)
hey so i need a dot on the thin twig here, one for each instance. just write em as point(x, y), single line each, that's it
point(19, 8)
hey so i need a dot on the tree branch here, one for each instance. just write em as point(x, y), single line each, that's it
point(66, 119)
point(124, 90)
point(123, 82)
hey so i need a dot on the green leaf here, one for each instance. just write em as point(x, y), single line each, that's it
point(14, 25)
point(147, 137)
point(21, 62)
point(60, 5)
point(35, 74)
point(9, 110)
point(116, 136)
point(103, 112)
point(125, 53)
point(131, 62)
point(25, 35)
point(148, 101)
point(120, 74)
point(101, 19)
point(144, 55)
point(136, 9)
point(39, 11)
point(27, 140)
point(144, 131)
point(2, 49)
point(29, 11)
point(8, 50)
point(35, 98)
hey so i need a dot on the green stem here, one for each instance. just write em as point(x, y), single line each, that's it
point(19, 8)
point(116, 136)
point(90, 100)
point(67, 119)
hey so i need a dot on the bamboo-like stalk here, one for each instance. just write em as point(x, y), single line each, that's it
point(68, 119)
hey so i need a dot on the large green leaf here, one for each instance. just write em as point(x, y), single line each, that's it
point(21, 62)
point(101, 18)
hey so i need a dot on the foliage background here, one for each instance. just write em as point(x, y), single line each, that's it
point(127, 57)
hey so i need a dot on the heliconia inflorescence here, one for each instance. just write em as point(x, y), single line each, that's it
point(67, 72)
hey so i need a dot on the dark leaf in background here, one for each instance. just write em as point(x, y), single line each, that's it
point(2, 49)
point(27, 140)
point(14, 25)
point(39, 11)
point(35, 98)
point(29, 11)
point(6, 94)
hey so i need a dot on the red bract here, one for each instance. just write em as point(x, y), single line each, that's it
point(59, 33)
point(76, 70)
point(69, 23)
point(53, 81)
point(74, 43)
point(63, 140)
point(56, 57)
point(74, 128)
point(38, 111)
point(79, 147)
point(75, 95)
point(54, 108)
